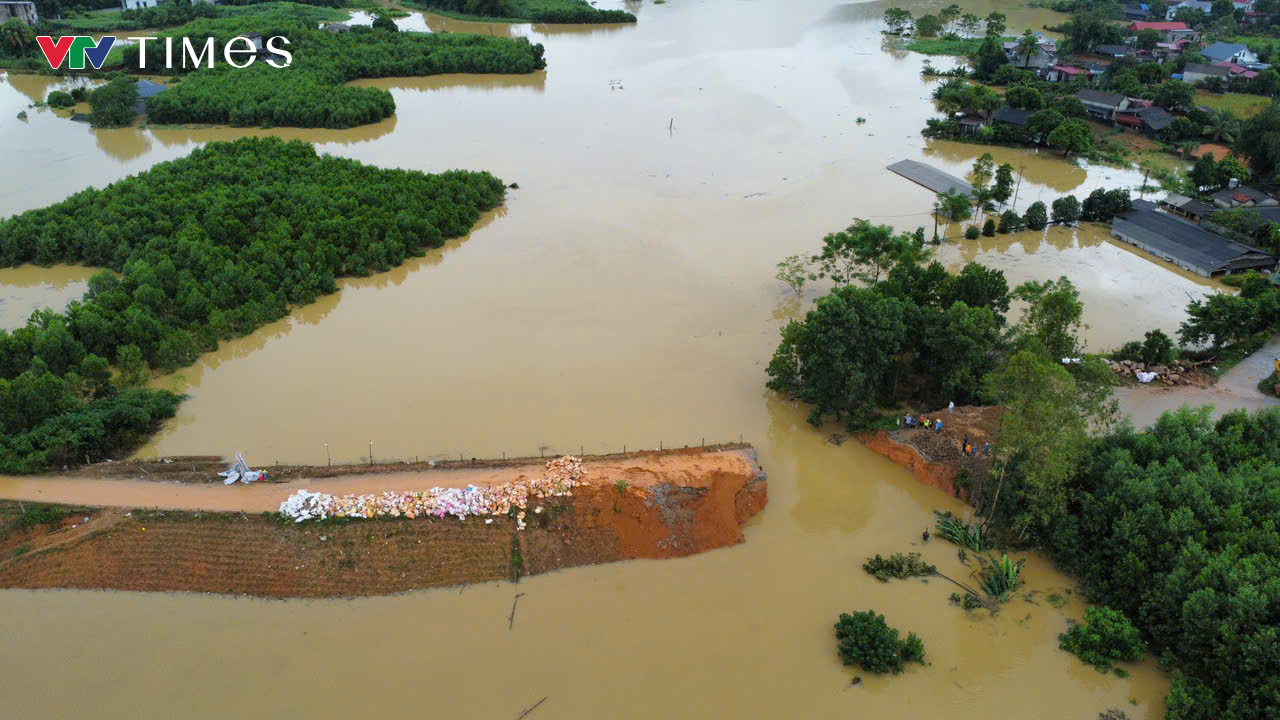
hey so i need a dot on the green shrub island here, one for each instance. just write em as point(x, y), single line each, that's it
point(311, 91)
point(59, 99)
point(1105, 637)
point(538, 11)
point(898, 566)
point(200, 249)
point(864, 639)
point(114, 104)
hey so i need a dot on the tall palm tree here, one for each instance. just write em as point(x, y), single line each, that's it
point(1027, 46)
point(1223, 126)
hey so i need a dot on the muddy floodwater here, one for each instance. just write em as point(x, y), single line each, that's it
point(623, 296)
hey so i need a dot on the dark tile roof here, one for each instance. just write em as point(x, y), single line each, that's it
point(1012, 116)
point(1155, 117)
point(1249, 193)
point(1183, 240)
point(1205, 70)
point(1199, 209)
point(1113, 49)
point(1099, 97)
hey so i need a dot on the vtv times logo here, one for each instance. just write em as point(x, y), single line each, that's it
point(75, 49)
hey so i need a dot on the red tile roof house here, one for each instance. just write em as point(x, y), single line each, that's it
point(1066, 73)
point(1170, 31)
point(1240, 70)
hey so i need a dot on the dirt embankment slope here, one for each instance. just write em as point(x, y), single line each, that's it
point(937, 458)
point(643, 505)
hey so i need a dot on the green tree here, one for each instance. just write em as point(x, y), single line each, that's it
point(955, 205)
point(840, 357)
point(1003, 188)
point(1066, 210)
point(969, 23)
point(1027, 48)
point(1223, 126)
point(1126, 83)
point(17, 39)
point(1175, 94)
point(794, 271)
point(1036, 217)
point(1158, 348)
point(990, 57)
point(958, 346)
point(1148, 38)
point(989, 228)
point(113, 104)
point(1259, 141)
point(996, 23)
point(133, 369)
point(984, 169)
point(1106, 636)
point(1230, 168)
point(1044, 122)
point(1009, 222)
point(866, 640)
point(1053, 316)
point(384, 22)
point(897, 19)
point(1205, 172)
point(949, 14)
point(862, 251)
point(1023, 98)
point(928, 25)
point(1072, 136)
point(1103, 205)
point(1044, 434)
point(59, 99)
point(977, 286)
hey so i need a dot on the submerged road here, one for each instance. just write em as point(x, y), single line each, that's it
point(1236, 390)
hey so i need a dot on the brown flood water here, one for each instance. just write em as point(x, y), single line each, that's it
point(623, 296)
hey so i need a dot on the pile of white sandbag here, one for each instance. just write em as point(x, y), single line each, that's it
point(562, 475)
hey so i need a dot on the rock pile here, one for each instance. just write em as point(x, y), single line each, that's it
point(1167, 374)
point(562, 475)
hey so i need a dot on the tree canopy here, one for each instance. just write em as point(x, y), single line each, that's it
point(200, 249)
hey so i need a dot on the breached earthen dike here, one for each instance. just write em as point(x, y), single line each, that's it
point(640, 505)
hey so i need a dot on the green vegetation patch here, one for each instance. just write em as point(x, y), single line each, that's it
point(898, 566)
point(1245, 106)
point(539, 11)
point(311, 91)
point(204, 248)
point(1105, 637)
point(865, 639)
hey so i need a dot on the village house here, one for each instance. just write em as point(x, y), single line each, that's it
point(1195, 72)
point(1065, 73)
point(1114, 51)
point(1148, 120)
point(1039, 62)
point(1230, 53)
point(1170, 31)
point(1243, 197)
point(1201, 5)
point(1102, 105)
point(1186, 244)
point(24, 11)
point(1136, 12)
point(1189, 208)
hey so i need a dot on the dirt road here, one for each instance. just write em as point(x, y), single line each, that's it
point(695, 468)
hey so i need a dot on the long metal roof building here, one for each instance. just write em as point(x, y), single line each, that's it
point(930, 177)
point(1186, 244)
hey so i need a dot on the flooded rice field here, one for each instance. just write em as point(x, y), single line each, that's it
point(623, 296)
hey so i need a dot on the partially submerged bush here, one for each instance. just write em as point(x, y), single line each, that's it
point(898, 566)
point(966, 536)
point(1000, 577)
point(1105, 637)
point(865, 639)
point(59, 99)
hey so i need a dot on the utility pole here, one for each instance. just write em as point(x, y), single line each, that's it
point(936, 207)
point(1146, 172)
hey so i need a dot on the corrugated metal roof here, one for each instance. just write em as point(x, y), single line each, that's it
point(1099, 97)
point(1187, 242)
point(930, 177)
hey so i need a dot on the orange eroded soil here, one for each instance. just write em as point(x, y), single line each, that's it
point(672, 504)
point(936, 458)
